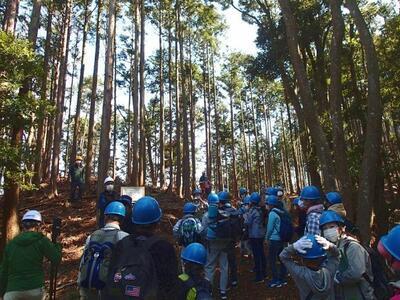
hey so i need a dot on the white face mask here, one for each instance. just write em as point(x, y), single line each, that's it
point(109, 187)
point(331, 234)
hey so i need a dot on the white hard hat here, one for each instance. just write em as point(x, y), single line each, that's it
point(32, 215)
point(108, 179)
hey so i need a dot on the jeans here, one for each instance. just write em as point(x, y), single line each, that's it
point(35, 294)
point(232, 264)
point(74, 187)
point(257, 246)
point(275, 248)
point(216, 253)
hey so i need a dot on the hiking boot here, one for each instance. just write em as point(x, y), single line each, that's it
point(258, 280)
point(274, 283)
point(283, 282)
point(234, 284)
point(223, 295)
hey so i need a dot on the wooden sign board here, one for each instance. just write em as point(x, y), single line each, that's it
point(135, 192)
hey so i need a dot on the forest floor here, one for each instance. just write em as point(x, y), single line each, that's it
point(79, 221)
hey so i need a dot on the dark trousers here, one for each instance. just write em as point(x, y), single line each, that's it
point(275, 248)
point(232, 264)
point(257, 246)
point(76, 186)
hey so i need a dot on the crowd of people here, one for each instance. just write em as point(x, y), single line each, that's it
point(308, 239)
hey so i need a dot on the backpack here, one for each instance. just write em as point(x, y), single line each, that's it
point(286, 229)
point(132, 273)
point(380, 283)
point(195, 291)
point(188, 232)
point(96, 259)
point(226, 226)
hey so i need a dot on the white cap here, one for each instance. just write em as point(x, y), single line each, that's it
point(32, 215)
point(108, 179)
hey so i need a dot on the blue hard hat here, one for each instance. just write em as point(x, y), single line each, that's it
point(213, 198)
point(271, 191)
point(255, 198)
point(115, 208)
point(246, 200)
point(197, 192)
point(146, 211)
point(273, 200)
point(310, 193)
point(296, 201)
point(329, 216)
point(316, 251)
point(125, 199)
point(333, 198)
point(242, 191)
point(391, 242)
point(189, 208)
point(224, 197)
point(195, 253)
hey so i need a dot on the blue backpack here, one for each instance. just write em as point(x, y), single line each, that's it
point(286, 229)
point(96, 259)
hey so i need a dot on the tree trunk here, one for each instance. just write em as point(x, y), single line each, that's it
point(10, 16)
point(115, 128)
point(35, 22)
point(313, 123)
point(142, 156)
point(246, 153)
point(253, 116)
point(186, 154)
point(234, 175)
point(372, 144)
point(161, 78)
point(336, 100)
point(93, 97)
point(171, 148)
point(208, 151)
point(192, 101)
point(135, 98)
point(65, 37)
point(286, 156)
point(217, 129)
point(37, 177)
point(178, 107)
point(104, 152)
point(80, 84)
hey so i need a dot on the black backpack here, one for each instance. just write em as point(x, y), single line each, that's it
point(226, 226)
point(380, 283)
point(132, 273)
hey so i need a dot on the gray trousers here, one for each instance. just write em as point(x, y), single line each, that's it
point(217, 253)
point(35, 294)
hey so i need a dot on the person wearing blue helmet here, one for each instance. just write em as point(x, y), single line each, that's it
point(245, 249)
point(217, 246)
point(242, 193)
point(255, 224)
point(334, 202)
point(188, 229)
point(389, 249)
point(194, 257)
point(110, 234)
point(311, 197)
point(224, 199)
point(312, 262)
point(158, 257)
point(127, 225)
point(271, 191)
point(274, 240)
point(355, 274)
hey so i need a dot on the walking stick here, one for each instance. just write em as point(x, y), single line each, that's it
point(55, 232)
